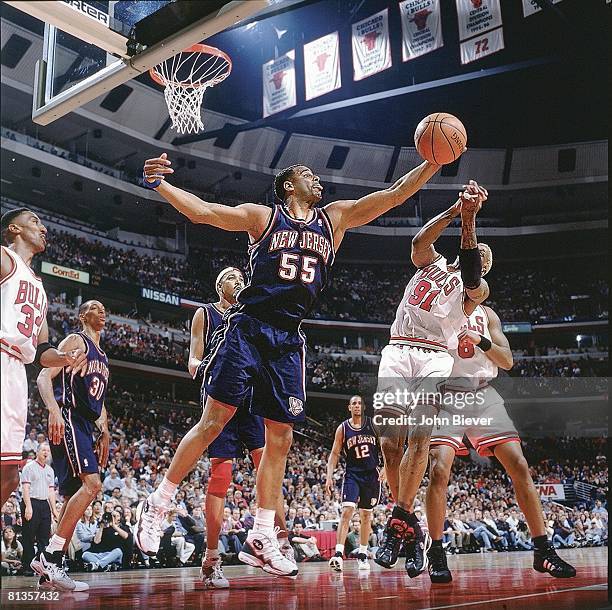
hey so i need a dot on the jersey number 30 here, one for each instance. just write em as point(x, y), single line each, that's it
point(293, 264)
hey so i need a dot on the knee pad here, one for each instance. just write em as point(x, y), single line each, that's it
point(220, 478)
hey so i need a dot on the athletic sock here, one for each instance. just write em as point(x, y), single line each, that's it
point(282, 537)
point(164, 493)
point(436, 544)
point(55, 544)
point(402, 514)
point(211, 555)
point(340, 548)
point(264, 520)
point(363, 549)
point(540, 542)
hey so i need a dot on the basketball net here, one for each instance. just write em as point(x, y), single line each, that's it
point(185, 78)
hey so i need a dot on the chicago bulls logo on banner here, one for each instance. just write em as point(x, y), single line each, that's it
point(279, 84)
point(371, 48)
point(477, 16)
point(421, 27)
point(322, 66)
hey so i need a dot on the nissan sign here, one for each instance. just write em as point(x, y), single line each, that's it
point(161, 297)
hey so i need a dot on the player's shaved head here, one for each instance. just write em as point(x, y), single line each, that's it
point(9, 218)
point(85, 307)
point(282, 177)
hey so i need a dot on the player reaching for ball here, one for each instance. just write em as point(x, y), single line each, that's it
point(416, 362)
point(261, 348)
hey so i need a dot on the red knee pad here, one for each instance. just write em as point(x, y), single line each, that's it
point(220, 478)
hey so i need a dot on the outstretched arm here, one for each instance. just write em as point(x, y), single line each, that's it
point(499, 353)
point(350, 213)
point(196, 345)
point(423, 251)
point(47, 356)
point(334, 456)
point(249, 217)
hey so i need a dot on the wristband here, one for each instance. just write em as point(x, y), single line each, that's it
point(150, 185)
point(485, 344)
point(40, 350)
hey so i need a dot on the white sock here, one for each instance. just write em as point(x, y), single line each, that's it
point(264, 520)
point(339, 548)
point(164, 493)
point(55, 544)
point(363, 549)
point(211, 555)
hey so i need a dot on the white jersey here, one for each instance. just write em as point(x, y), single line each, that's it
point(430, 313)
point(471, 367)
point(24, 309)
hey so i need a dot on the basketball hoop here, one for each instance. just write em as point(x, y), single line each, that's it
point(185, 77)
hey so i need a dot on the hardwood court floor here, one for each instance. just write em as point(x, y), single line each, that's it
point(497, 580)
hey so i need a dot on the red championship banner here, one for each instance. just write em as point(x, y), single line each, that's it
point(481, 46)
point(421, 27)
point(279, 84)
point(477, 16)
point(531, 6)
point(322, 66)
point(371, 47)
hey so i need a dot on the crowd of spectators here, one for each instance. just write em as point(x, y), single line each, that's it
point(482, 515)
point(356, 292)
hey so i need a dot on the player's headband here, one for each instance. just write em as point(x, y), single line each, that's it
point(223, 273)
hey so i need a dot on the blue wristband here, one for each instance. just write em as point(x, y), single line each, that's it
point(150, 185)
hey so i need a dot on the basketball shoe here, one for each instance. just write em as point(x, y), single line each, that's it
point(546, 560)
point(261, 550)
point(416, 552)
point(149, 518)
point(395, 532)
point(362, 562)
point(288, 553)
point(49, 567)
point(336, 562)
point(438, 568)
point(211, 574)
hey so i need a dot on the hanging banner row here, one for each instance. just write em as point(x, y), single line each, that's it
point(480, 34)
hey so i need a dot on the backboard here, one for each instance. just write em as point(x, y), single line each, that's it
point(92, 47)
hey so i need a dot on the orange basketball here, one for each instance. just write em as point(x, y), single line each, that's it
point(440, 138)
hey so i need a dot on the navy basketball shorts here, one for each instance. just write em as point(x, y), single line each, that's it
point(249, 355)
point(75, 454)
point(243, 431)
point(361, 489)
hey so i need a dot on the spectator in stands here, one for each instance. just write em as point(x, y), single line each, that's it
point(86, 529)
point(596, 532)
point(462, 532)
point(30, 443)
point(12, 552)
point(105, 552)
point(523, 538)
point(112, 481)
point(488, 520)
point(229, 534)
point(305, 548)
point(480, 531)
point(10, 517)
point(563, 536)
point(129, 490)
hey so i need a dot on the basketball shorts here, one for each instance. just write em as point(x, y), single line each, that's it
point(486, 425)
point(75, 455)
point(413, 374)
point(243, 431)
point(14, 407)
point(361, 489)
point(248, 356)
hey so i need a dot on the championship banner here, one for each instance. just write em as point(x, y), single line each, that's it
point(551, 491)
point(66, 273)
point(481, 46)
point(322, 66)
point(530, 7)
point(477, 16)
point(421, 27)
point(371, 47)
point(279, 84)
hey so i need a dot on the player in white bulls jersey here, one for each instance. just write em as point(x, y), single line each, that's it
point(483, 348)
point(416, 363)
point(24, 336)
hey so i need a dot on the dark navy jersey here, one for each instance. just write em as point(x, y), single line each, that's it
point(360, 446)
point(213, 320)
point(84, 394)
point(289, 266)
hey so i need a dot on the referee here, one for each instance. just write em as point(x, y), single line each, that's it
point(38, 487)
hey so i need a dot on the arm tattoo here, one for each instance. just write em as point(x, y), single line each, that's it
point(468, 231)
